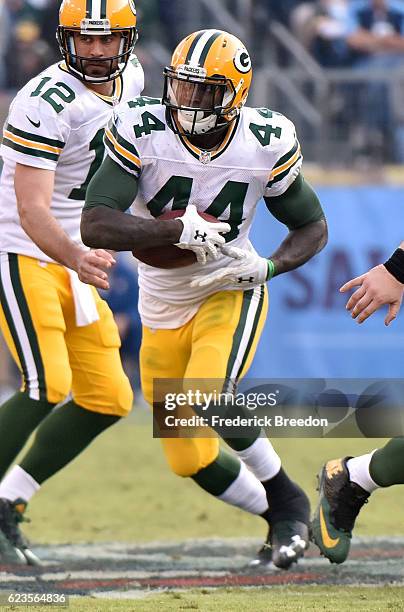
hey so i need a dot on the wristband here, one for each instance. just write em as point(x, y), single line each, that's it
point(395, 265)
point(271, 269)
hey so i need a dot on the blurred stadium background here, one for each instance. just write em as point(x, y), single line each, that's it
point(347, 104)
point(311, 65)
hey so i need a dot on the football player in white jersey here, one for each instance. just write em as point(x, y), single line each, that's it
point(60, 333)
point(202, 147)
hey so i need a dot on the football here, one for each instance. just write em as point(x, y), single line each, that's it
point(169, 256)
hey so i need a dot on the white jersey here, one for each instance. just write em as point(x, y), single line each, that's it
point(56, 123)
point(259, 157)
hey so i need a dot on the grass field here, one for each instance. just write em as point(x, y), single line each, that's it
point(290, 599)
point(120, 489)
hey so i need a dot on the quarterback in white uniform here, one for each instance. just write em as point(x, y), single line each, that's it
point(56, 122)
point(203, 149)
point(60, 333)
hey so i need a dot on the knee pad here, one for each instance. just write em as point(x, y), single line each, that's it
point(187, 456)
point(58, 386)
point(116, 398)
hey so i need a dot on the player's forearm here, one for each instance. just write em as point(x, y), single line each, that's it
point(104, 223)
point(363, 40)
point(108, 228)
point(299, 246)
point(393, 43)
point(34, 191)
point(43, 229)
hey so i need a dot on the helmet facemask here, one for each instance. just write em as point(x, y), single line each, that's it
point(201, 104)
point(76, 63)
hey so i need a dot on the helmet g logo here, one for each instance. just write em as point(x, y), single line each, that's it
point(132, 6)
point(242, 61)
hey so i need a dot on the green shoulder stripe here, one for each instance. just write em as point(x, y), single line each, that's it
point(34, 137)
point(124, 160)
point(29, 150)
point(287, 155)
point(122, 141)
point(282, 175)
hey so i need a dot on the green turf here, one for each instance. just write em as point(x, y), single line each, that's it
point(121, 489)
point(286, 599)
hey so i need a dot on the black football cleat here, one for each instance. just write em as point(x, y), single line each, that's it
point(285, 545)
point(11, 514)
point(263, 558)
point(288, 535)
point(339, 504)
point(9, 554)
point(289, 540)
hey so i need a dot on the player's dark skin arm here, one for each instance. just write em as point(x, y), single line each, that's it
point(300, 210)
point(299, 246)
point(104, 222)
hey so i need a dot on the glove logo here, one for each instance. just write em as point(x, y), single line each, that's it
point(199, 236)
point(250, 279)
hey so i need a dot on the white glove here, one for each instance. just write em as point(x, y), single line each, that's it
point(250, 270)
point(201, 236)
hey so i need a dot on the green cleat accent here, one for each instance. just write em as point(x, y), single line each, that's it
point(11, 538)
point(339, 505)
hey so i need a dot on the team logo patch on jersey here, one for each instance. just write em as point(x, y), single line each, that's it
point(242, 61)
point(205, 157)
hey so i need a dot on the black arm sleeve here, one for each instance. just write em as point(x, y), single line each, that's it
point(298, 206)
point(111, 186)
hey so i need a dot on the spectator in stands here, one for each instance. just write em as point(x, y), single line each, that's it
point(17, 10)
point(281, 11)
point(176, 17)
point(376, 29)
point(49, 22)
point(27, 54)
point(264, 12)
point(22, 46)
point(321, 26)
point(375, 33)
point(4, 40)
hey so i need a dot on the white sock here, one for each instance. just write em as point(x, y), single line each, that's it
point(261, 458)
point(18, 484)
point(358, 468)
point(246, 492)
